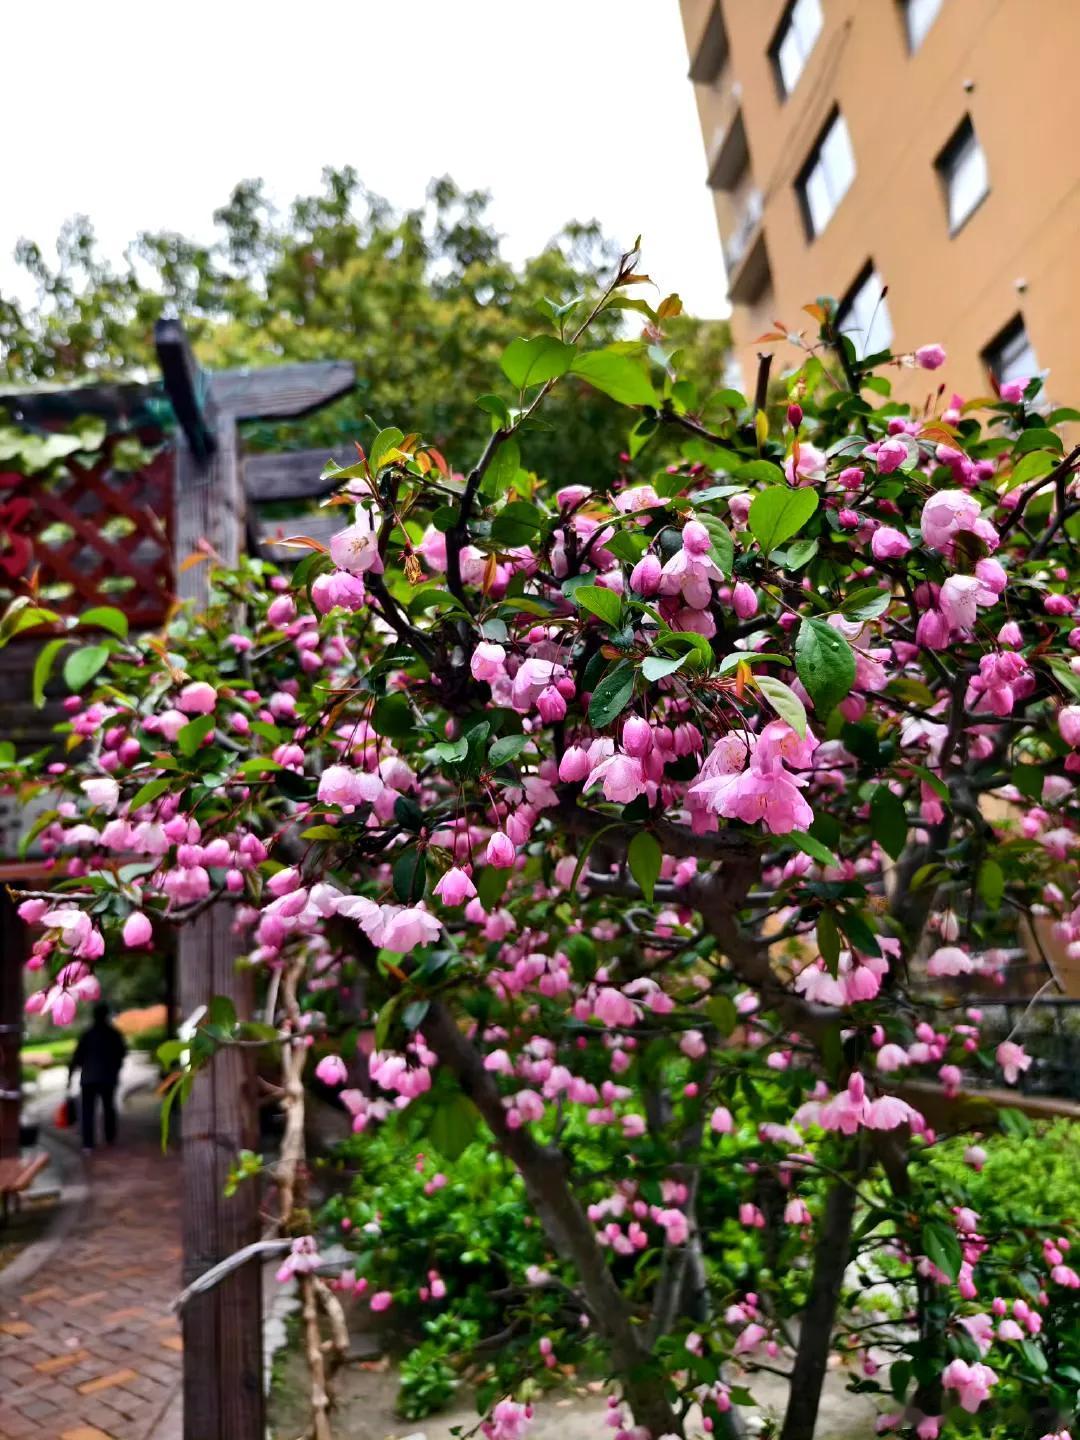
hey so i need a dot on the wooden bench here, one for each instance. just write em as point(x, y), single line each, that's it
point(16, 1176)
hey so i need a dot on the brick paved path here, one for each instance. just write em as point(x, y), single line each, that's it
point(88, 1347)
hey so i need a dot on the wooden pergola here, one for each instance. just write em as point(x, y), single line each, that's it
point(214, 491)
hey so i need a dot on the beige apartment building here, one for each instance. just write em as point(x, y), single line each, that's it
point(928, 146)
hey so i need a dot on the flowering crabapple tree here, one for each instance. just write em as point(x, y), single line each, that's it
point(683, 805)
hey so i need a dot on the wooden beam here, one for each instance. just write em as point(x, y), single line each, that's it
point(185, 386)
point(281, 391)
point(290, 475)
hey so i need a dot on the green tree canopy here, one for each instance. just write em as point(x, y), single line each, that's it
point(423, 301)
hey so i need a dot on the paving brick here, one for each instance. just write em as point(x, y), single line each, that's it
point(85, 1432)
point(103, 1382)
point(60, 1362)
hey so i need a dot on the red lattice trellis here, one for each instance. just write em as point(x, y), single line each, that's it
point(96, 536)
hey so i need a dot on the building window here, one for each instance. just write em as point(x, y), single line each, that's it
point(1011, 356)
point(962, 167)
point(864, 315)
point(919, 15)
point(826, 176)
point(795, 38)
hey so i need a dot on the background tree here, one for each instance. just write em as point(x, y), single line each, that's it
point(422, 301)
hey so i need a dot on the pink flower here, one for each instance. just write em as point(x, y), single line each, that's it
point(488, 660)
point(958, 601)
point(950, 960)
point(344, 786)
point(500, 851)
point(1013, 1059)
point(403, 929)
point(331, 1070)
point(623, 777)
point(281, 612)
point(198, 698)
point(337, 589)
point(455, 887)
point(509, 1421)
point(811, 465)
point(381, 1300)
point(1069, 724)
point(971, 1382)
point(356, 548)
point(1012, 391)
point(720, 1121)
point(137, 930)
point(887, 543)
point(744, 601)
point(948, 513)
point(930, 357)
point(102, 791)
point(645, 576)
point(796, 1212)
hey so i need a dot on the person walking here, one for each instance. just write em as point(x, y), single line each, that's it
point(99, 1056)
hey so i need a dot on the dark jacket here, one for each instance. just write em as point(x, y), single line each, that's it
point(99, 1054)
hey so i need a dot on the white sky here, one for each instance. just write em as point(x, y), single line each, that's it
point(143, 117)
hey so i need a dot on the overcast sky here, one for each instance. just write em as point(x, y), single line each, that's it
point(144, 116)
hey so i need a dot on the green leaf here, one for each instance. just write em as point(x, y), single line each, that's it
point(655, 667)
point(766, 472)
point(495, 406)
point(722, 1013)
point(599, 601)
point(503, 468)
point(150, 791)
point(1032, 466)
point(451, 751)
point(453, 1126)
point(942, 1248)
point(645, 858)
point(784, 701)
point(43, 668)
point(825, 663)
point(722, 550)
point(532, 362)
point(828, 940)
point(507, 747)
point(866, 603)
point(800, 554)
point(1038, 439)
point(812, 846)
point(779, 513)
point(1035, 1357)
point(620, 376)
point(410, 877)
point(516, 524)
point(106, 617)
point(382, 448)
point(392, 716)
point(888, 821)
point(321, 832)
point(991, 884)
point(611, 696)
point(191, 735)
point(83, 664)
point(491, 885)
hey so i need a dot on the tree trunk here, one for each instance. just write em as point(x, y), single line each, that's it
point(815, 1337)
point(543, 1169)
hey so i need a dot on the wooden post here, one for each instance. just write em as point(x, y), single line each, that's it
point(222, 1328)
point(12, 956)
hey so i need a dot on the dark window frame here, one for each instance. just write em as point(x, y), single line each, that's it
point(804, 172)
point(772, 50)
point(1011, 330)
point(944, 163)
